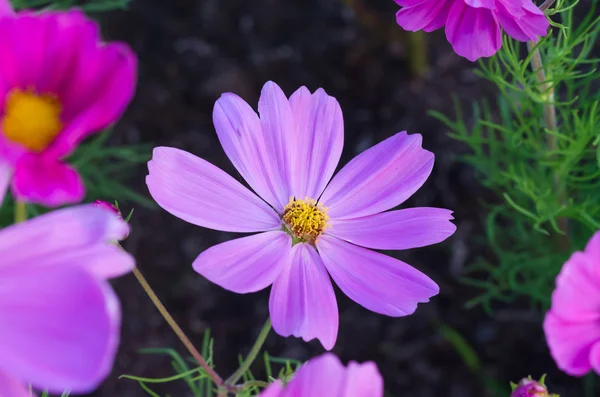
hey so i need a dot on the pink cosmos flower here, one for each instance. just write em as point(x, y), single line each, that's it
point(572, 325)
point(60, 318)
point(58, 84)
point(326, 376)
point(309, 229)
point(473, 26)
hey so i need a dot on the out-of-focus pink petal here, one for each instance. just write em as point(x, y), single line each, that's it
point(427, 15)
point(200, 193)
point(11, 387)
point(275, 389)
point(79, 236)
point(571, 343)
point(302, 301)
point(396, 230)
point(593, 246)
point(528, 23)
point(6, 8)
point(473, 32)
point(46, 181)
point(317, 142)
point(363, 380)
point(6, 173)
point(379, 178)
point(378, 282)
point(246, 264)
point(321, 376)
point(60, 327)
point(489, 4)
point(99, 91)
point(577, 294)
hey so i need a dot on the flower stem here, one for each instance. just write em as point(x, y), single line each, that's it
point(20, 211)
point(184, 339)
point(251, 355)
point(550, 122)
point(546, 4)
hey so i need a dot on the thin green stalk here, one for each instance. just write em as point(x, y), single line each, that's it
point(20, 211)
point(550, 122)
point(178, 331)
point(251, 355)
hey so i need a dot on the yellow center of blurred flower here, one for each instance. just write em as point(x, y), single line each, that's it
point(31, 120)
point(306, 219)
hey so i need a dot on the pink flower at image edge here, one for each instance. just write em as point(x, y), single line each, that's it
point(473, 27)
point(571, 325)
point(326, 376)
point(288, 157)
point(55, 66)
point(60, 317)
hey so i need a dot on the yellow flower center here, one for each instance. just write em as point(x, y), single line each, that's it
point(306, 219)
point(31, 120)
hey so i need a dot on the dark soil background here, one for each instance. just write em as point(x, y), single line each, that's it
point(190, 52)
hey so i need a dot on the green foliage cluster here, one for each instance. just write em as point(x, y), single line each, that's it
point(544, 171)
point(199, 382)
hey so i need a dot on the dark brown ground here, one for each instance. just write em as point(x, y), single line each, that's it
point(193, 50)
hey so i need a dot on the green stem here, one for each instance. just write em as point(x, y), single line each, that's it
point(417, 53)
point(20, 211)
point(178, 331)
point(251, 355)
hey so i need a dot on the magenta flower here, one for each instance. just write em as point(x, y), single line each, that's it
point(473, 26)
point(531, 388)
point(60, 318)
point(309, 229)
point(572, 325)
point(326, 376)
point(58, 84)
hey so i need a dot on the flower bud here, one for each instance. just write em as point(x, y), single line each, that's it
point(528, 387)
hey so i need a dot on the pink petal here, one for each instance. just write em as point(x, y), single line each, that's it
point(200, 193)
point(571, 343)
point(6, 8)
point(6, 173)
point(363, 380)
point(427, 15)
point(46, 181)
point(378, 282)
point(593, 246)
point(379, 178)
point(577, 293)
point(489, 4)
point(60, 327)
point(321, 376)
point(10, 387)
point(528, 23)
point(81, 236)
point(275, 389)
point(246, 264)
point(473, 32)
point(396, 230)
point(317, 142)
point(276, 120)
point(302, 300)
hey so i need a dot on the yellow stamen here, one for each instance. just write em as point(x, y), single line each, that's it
point(31, 120)
point(306, 219)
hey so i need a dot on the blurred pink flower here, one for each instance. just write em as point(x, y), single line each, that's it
point(59, 83)
point(107, 205)
point(310, 228)
point(326, 376)
point(572, 325)
point(531, 388)
point(473, 26)
point(60, 317)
